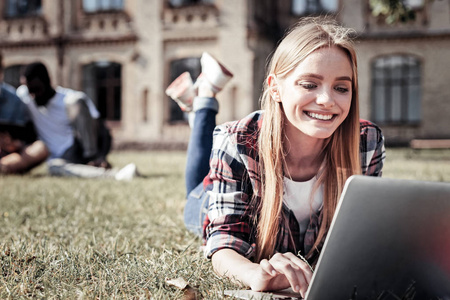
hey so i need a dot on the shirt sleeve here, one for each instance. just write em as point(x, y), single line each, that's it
point(229, 196)
point(73, 96)
point(372, 150)
point(13, 111)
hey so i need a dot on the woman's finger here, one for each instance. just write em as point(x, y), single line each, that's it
point(267, 267)
point(301, 264)
point(293, 273)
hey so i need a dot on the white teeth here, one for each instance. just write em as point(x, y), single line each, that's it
point(318, 116)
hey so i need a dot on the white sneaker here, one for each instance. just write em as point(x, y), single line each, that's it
point(127, 173)
point(182, 91)
point(214, 72)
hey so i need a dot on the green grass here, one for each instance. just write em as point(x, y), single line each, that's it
point(431, 165)
point(79, 238)
point(70, 238)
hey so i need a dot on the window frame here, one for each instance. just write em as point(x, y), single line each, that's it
point(11, 74)
point(33, 8)
point(407, 83)
point(321, 9)
point(110, 107)
point(98, 7)
point(185, 3)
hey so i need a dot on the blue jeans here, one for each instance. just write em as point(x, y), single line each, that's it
point(197, 167)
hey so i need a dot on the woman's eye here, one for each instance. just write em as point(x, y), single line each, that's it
point(342, 90)
point(308, 86)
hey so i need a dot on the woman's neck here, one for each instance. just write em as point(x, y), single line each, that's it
point(304, 156)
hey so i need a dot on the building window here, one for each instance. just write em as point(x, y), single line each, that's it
point(102, 82)
point(177, 67)
point(396, 90)
point(12, 75)
point(179, 3)
point(22, 8)
point(102, 5)
point(313, 7)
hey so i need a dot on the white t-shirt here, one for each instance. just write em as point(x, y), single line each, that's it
point(297, 197)
point(52, 124)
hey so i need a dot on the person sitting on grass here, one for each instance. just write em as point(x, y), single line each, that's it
point(67, 121)
point(272, 180)
point(19, 149)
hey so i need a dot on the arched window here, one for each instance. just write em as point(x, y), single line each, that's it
point(12, 75)
point(177, 67)
point(102, 82)
point(396, 90)
point(313, 7)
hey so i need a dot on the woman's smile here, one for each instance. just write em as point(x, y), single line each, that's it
point(316, 95)
point(319, 116)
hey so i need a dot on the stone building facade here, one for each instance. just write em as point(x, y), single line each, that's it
point(123, 53)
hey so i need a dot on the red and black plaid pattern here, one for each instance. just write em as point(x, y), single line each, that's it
point(234, 179)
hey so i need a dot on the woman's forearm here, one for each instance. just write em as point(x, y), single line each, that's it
point(229, 263)
point(281, 271)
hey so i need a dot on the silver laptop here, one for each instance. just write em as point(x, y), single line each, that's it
point(389, 239)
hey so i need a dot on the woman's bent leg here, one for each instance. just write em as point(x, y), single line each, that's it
point(205, 107)
point(200, 143)
point(196, 209)
point(197, 167)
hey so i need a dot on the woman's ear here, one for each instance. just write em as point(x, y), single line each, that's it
point(274, 88)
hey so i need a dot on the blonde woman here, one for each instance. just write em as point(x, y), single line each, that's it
point(275, 176)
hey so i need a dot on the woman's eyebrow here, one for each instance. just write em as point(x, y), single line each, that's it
point(344, 78)
point(320, 77)
point(309, 75)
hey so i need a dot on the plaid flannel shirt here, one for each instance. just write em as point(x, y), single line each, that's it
point(234, 178)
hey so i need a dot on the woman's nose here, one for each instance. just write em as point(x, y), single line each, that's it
point(325, 99)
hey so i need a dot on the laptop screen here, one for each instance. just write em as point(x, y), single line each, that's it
point(389, 238)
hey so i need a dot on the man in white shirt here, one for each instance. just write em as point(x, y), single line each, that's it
point(67, 121)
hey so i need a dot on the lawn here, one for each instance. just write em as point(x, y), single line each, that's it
point(79, 238)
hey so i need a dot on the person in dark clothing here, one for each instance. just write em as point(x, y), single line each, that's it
point(20, 151)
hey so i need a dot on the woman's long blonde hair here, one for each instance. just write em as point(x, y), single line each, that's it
point(341, 152)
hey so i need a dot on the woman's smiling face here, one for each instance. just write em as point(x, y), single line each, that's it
point(316, 96)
